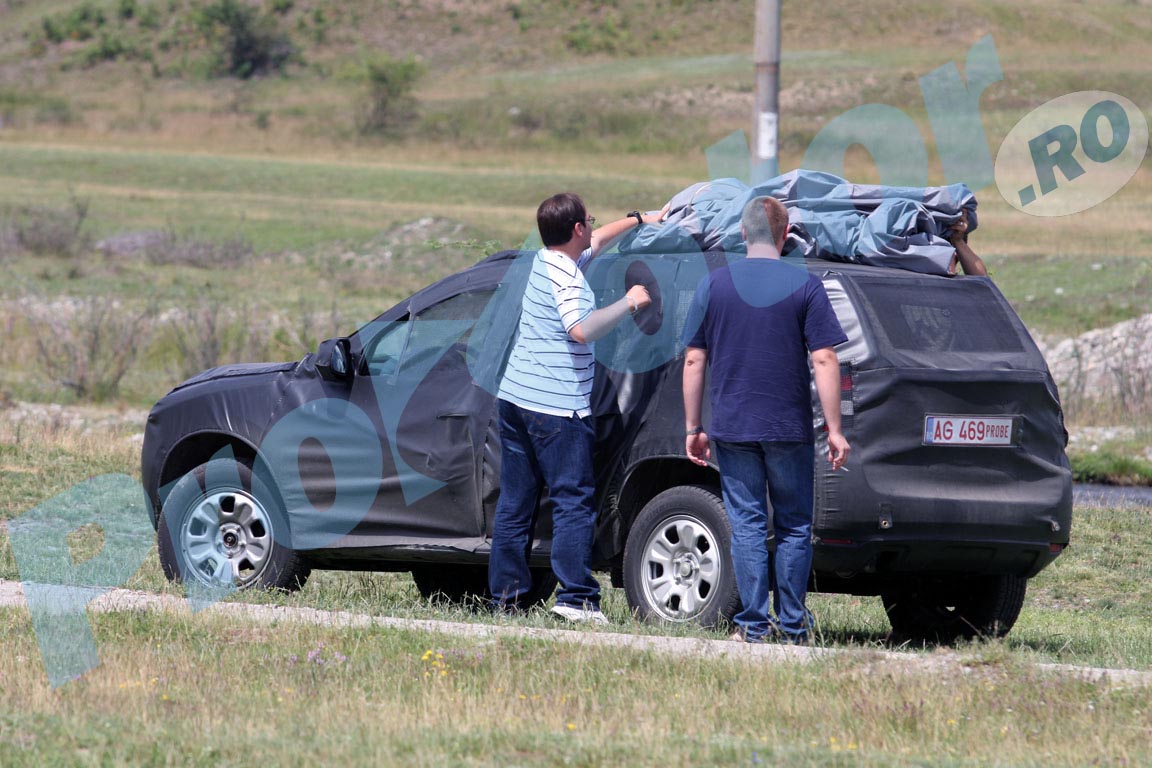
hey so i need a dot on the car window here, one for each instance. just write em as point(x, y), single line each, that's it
point(463, 308)
point(941, 316)
point(434, 328)
point(382, 355)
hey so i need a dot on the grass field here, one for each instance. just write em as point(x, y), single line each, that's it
point(208, 690)
point(203, 692)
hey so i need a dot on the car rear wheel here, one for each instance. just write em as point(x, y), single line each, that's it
point(935, 612)
point(677, 561)
point(454, 583)
point(222, 526)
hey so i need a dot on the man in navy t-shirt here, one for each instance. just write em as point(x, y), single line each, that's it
point(755, 322)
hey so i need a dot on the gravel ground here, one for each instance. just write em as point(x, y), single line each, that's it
point(85, 419)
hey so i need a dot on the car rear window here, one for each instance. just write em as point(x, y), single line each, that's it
point(936, 315)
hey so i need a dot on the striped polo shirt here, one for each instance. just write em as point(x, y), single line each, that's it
point(549, 372)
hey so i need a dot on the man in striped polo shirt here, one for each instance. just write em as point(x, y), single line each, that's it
point(546, 429)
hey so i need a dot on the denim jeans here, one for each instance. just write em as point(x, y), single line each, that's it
point(785, 468)
point(540, 450)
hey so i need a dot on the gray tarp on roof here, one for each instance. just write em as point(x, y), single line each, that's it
point(830, 219)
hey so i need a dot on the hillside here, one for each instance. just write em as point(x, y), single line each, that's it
point(652, 76)
point(292, 157)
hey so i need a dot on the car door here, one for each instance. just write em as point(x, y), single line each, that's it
point(435, 422)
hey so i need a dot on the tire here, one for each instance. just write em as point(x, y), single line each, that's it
point(456, 584)
point(223, 527)
point(678, 561)
point(932, 612)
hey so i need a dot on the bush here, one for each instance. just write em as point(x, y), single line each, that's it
point(303, 329)
point(215, 334)
point(389, 107)
point(245, 41)
point(110, 47)
point(90, 349)
point(45, 230)
point(80, 23)
point(319, 25)
point(607, 36)
point(149, 18)
point(187, 249)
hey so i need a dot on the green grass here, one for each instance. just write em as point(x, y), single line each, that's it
point(1067, 295)
point(206, 691)
point(1111, 467)
point(285, 203)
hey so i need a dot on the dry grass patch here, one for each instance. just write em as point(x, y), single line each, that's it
point(183, 686)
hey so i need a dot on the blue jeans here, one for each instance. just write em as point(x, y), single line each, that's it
point(539, 450)
point(786, 469)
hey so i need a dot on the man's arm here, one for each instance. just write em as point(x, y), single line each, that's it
point(697, 445)
point(969, 261)
point(606, 236)
point(598, 323)
point(826, 370)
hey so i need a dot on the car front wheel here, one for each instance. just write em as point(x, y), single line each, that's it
point(223, 527)
point(678, 562)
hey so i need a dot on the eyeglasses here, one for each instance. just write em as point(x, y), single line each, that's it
point(588, 222)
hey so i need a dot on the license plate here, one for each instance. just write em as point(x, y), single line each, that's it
point(967, 430)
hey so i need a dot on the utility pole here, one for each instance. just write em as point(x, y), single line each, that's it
point(766, 111)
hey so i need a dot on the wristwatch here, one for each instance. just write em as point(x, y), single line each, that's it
point(636, 215)
point(693, 431)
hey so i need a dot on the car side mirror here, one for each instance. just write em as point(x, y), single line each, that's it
point(334, 359)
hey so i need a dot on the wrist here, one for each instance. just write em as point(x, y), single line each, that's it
point(633, 306)
point(636, 215)
point(692, 431)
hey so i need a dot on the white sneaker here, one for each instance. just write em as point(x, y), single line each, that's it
point(580, 615)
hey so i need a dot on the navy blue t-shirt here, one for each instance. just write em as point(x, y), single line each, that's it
point(758, 319)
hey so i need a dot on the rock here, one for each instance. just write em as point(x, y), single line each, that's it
point(1106, 365)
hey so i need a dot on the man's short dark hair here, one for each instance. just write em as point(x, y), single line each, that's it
point(557, 215)
point(765, 220)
